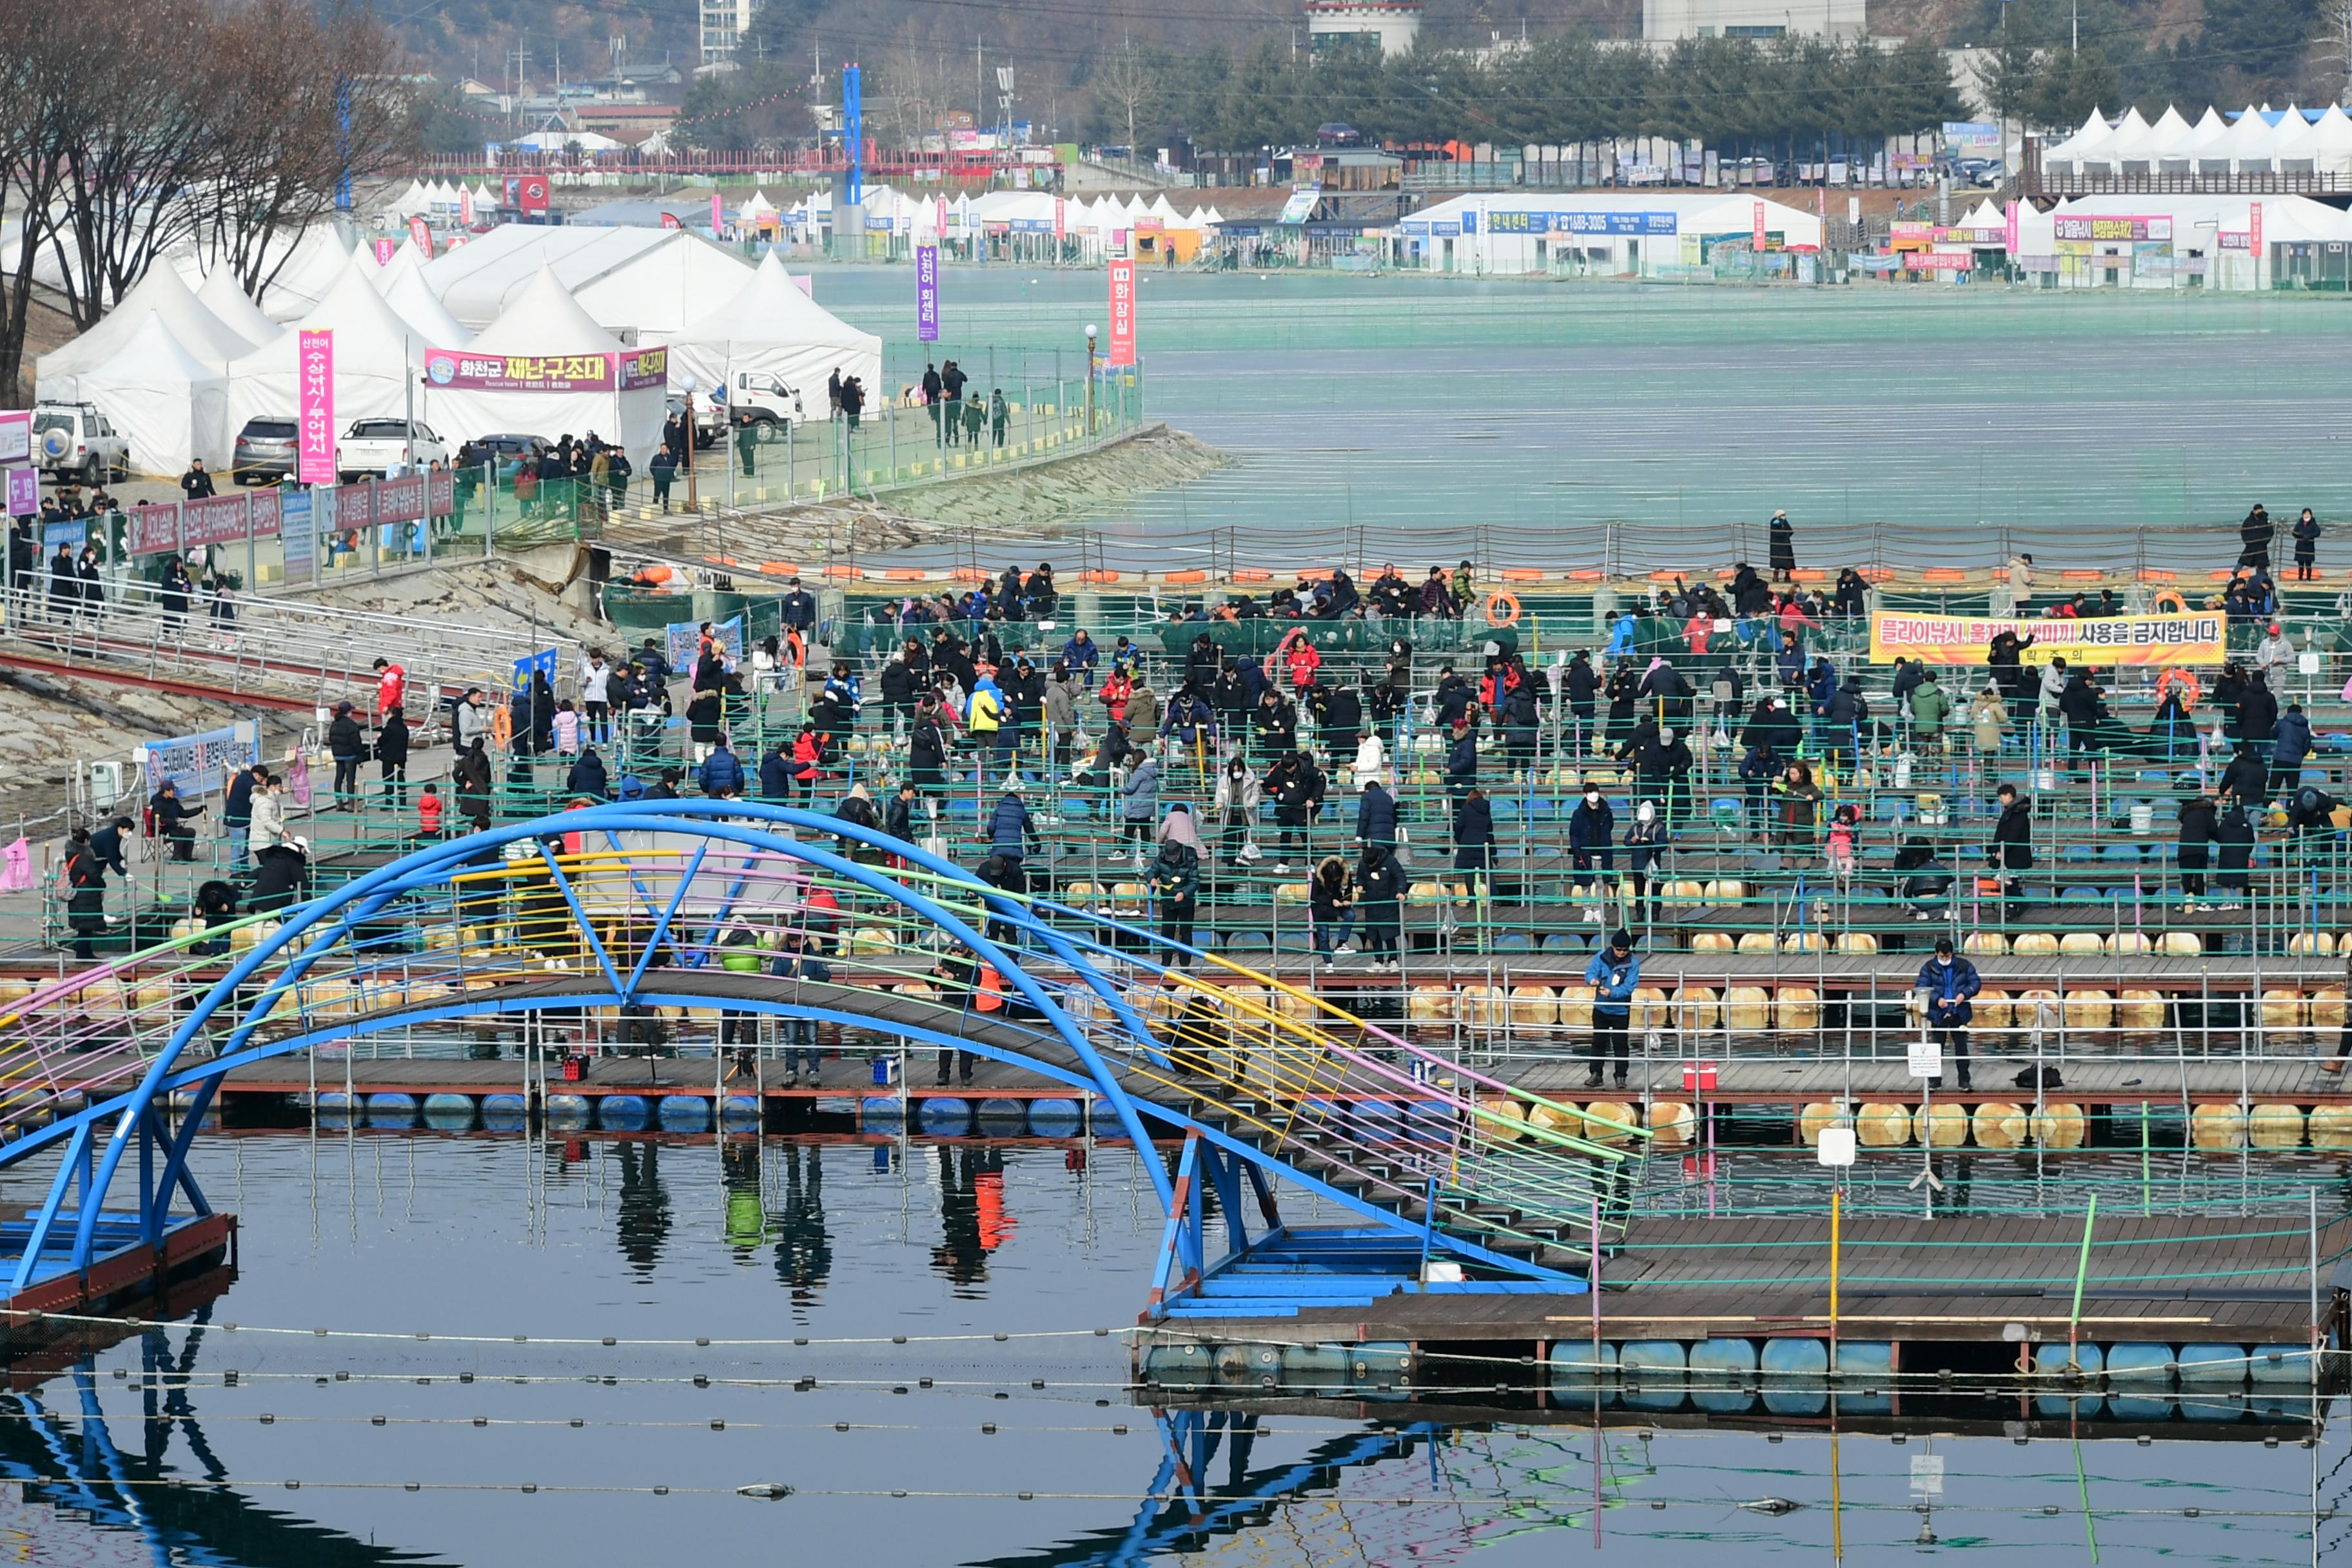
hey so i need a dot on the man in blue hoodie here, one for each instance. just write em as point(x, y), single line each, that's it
point(1612, 975)
point(723, 774)
point(1945, 985)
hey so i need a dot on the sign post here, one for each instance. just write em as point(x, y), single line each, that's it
point(315, 460)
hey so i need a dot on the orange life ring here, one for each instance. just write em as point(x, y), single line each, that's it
point(2179, 607)
point(1497, 607)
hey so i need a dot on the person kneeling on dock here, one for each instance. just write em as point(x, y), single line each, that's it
point(1946, 983)
point(1612, 975)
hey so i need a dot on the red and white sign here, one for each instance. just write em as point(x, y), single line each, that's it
point(420, 234)
point(385, 250)
point(1122, 313)
point(466, 205)
point(2254, 237)
point(315, 390)
point(1757, 240)
point(669, 220)
point(16, 436)
point(1061, 217)
point(2008, 230)
point(1939, 261)
point(533, 191)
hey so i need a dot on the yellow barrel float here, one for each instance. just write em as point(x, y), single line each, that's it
point(1999, 1124)
point(1990, 1010)
point(1797, 1010)
point(2217, 1127)
point(1946, 1126)
point(2129, 943)
point(2033, 944)
point(1727, 890)
point(2060, 1125)
point(2089, 1010)
point(1431, 1006)
point(1650, 1009)
point(1758, 942)
point(2140, 1010)
point(1984, 944)
point(1576, 1007)
point(1672, 1125)
point(1696, 1009)
point(1535, 1009)
point(1856, 941)
point(1882, 1124)
point(1484, 1009)
point(2331, 1127)
point(1816, 1115)
point(1506, 1120)
point(2179, 944)
point(2275, 1126)
point(2036, 1009)
point(1711, 941)
point(1747, 1009)
point(2316, 944)
point(2282, 1011)
point(1615, 1110)
point(2327, 1008)
point(2080, 943)
point(1805, 941)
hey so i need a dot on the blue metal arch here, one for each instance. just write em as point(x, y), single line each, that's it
point(319, 926)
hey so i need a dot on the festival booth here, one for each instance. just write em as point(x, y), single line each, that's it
point(545, 368)
point(226, 298)
point(169, 405)
point(772, 335)
point(414, 302)
point(163, 293)
point(377, 354)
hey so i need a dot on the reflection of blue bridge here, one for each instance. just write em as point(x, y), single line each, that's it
point(610, 919)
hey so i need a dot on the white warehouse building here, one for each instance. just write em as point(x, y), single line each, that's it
point(1613, 233)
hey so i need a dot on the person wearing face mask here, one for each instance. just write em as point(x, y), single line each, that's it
point(1612, 975)
point(1945, 985)
point(1647, 844)
point(1592, 827)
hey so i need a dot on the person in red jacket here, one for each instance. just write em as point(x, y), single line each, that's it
point(390, 687)
point(429, 812)
point(808, 759)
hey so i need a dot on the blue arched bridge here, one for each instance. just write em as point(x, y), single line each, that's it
point(624, 910)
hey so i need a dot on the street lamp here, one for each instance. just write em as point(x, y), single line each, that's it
point(1090, 381)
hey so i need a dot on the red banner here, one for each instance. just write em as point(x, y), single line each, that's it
point(1122, 313)
point(150, 530)
point(420, 234)
point(532, 193)
point(266, 513)
point(400, 501)
point(669, 220)
point(216, 519)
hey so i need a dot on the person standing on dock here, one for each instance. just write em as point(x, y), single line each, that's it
point(1612, 975)
point(1784, 545)
point(1946, 983)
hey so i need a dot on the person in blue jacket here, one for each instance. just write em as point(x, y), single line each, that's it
point(1081, 652)
point(1621, 634)
point(723, 774)
point(1009, 833)
point(1946, 983)
point(1612, 975)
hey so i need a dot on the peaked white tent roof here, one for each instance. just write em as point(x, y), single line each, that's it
point(169, 405)
point(319, 262)
point(2331, 147)
point(226, 298)
point(2209, 128)
point(376, 354)
point(2293, 137)
point(405, 258)
point(2247, 141)
point(544, 319)
point(1986, 216)
point(771, 330)
point(2089, 140)
point(162, 293)
point(649, 279)
point(415, 303)
point(2161, 140)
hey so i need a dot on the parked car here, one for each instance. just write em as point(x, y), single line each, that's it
point(382, 446)
point(266, 449)
point(503, 449)
point(765, 404)
point(75, 441)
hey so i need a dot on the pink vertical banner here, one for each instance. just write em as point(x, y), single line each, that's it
point(2009, 229)
point(315, 390)
point(421, 234)
point(1061, 217)
point(717, 215)
point(1122, 313)
point(385, 250)
point(2254, 240)
point(1757, 240)
point(466, 205)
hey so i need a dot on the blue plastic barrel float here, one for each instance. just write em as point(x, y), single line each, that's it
point(1793, 1361)
point(739, 1110)
point(1314, 1366)
point(684, 1112)
point(2277, 1364)
point(1002, 1118)
point(944, 1115)
point(1381, 1361)
point(449, 1112)
point(881, 1107)
point(567, 1113)
point(1655, 1374)
point(1722, 1371)
point(2140, 1365)
point(2050, 1359)
point(1379, 1121)
point(391, 1107)
point(1056, 1117)
point(623, 1112)
point(1187, 1365)
point(332, 1101)
point(505, 1112)
point(1571, 1363)
point(2212, 1366)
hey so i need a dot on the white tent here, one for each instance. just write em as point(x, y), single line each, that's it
point(405, 258)
point(319, 262)
point(758, 207)
point(544, 320)
point(412, 200)
point(771, 332)
point(169, 405)
point(2193, 149)
point(2332, 142)
point(559, 141)
point(2246, 145)
point(225, 297)
point(2085, 143)
point(377, 356)
point(411, 300)
point(162, 293)
point(2293, 142)
point(649, 280)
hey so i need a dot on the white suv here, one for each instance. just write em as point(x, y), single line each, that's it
point(74, 441)
point(380, 446)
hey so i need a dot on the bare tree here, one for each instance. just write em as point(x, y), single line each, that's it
point(1127, 82)
point(2333, 43)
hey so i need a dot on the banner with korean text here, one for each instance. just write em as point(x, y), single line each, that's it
point(1122, 314)
point(926, 293)
point(2196, 637)
point(315, 379)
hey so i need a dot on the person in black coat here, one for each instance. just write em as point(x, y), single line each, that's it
point(392, 755)
point(2258, 715)
point(2199, 812)
point(2234, 830)
point(898, 811)
point(1473, 832)
point(279, 878)
point(776, 773)
point(1380, 882)
point(2085, 715)
point(2247, 778)
point(346, 744)
point(2254, 539)
point(2012, 841)
point(171, 814)
point(1784, 544)
point(1375, 816)
point(541, 714)
point(1579, 685)
point(927, 755)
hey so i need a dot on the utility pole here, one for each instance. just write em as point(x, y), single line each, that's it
point(979, 86)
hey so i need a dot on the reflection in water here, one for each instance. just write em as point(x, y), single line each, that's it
point(645, 1206)
point(804, 1248)
point(974, 1218)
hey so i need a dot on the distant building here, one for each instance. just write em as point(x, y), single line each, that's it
point(724, 22)
point(1664, 21)
point(1391, 24)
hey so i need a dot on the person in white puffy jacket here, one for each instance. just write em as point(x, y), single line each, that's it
point(1371, 760)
